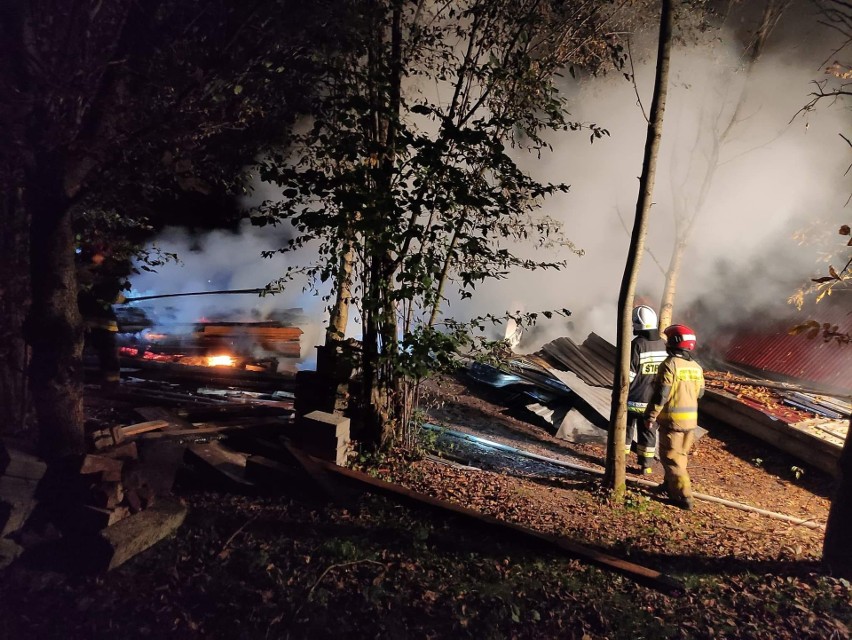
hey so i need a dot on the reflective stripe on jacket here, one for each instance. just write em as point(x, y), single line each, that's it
point(647, 352)
point(105, 324)
point(677, 388)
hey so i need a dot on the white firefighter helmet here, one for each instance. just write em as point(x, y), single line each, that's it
point(644, 318)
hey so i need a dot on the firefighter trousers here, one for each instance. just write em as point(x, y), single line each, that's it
point(674, 450)
point(646, 439)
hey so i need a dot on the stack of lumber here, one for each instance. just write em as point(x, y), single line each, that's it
point(20, 474)
point(113, 488)
point(271, 337)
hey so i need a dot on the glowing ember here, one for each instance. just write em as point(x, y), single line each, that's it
point(220, 361)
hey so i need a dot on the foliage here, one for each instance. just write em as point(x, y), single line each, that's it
point(837, 15)
point(151, 104)
point(410, 159)
point(823, 286)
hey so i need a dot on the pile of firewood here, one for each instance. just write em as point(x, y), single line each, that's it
point(112, 485)
point(20, 474)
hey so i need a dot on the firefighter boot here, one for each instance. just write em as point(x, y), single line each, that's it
point(645, 467)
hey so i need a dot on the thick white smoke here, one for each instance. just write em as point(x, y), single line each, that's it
point(775, 172)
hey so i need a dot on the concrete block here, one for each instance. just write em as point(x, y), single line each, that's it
point(325, 424)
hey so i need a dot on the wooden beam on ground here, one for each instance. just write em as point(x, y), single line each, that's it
point(225, 462)
point(644, 575)
point(250, 409)
point(229, 464)
point(202, 430)
point(272, 474)
point(316, 471)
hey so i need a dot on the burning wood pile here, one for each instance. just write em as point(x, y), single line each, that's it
point(185, 398)
point(258, 346)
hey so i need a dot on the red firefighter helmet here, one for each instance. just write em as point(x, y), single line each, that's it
point(679, 336)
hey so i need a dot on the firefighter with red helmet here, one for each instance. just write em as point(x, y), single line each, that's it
point(647, 352)
point(674, 407)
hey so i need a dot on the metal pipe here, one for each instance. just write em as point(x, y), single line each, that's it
point(194, 293)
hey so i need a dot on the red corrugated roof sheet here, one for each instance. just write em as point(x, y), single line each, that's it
point(814, 360)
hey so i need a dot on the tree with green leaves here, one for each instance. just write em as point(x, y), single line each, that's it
point(406, 177)
point(104, 108)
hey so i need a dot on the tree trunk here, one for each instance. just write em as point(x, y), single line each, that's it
point(339, 316)
point(684, 222)
point(836, 548)
point(615, 476)
point(381, 382)
point(54, 327)
point(389, 382)
point(15, 407)
point(670, 288)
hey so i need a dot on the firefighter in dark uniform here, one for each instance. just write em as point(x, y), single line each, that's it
point(101, 283)
point(647, 352)
point(674, 406)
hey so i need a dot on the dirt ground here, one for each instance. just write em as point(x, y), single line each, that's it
point(260, 566)
point(725, 462)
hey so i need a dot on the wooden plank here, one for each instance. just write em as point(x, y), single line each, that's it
point(143, 427)
point(203, 429)
point(650, 577)
point(89, 518)
point(235, 410)
point(109, 468)
point(213, 376)
point(230, 464)
point(776, 433)
point(315, 470)
point(131, 536)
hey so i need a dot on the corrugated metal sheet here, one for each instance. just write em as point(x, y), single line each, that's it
point(814, 360)
point(590, 361)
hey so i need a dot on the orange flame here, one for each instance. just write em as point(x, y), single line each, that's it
point(220, 361)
